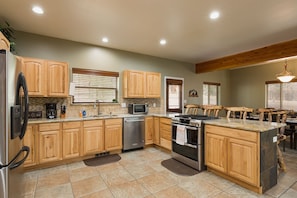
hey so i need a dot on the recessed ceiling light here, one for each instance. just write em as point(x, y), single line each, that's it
point(214, 15)
point(37, 10)
point(163, 42)
point(105, 40)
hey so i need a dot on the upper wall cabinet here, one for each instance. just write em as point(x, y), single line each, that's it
point(4, 43)
point(139, 84)
point(45, 78)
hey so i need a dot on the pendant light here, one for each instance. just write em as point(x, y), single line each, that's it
point(285, 76)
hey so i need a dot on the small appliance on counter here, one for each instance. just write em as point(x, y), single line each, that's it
point(137, 108)
point(51, 110)
point(63, 111)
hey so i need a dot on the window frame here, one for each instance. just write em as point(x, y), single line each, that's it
point(97, 73)
point(218, 91)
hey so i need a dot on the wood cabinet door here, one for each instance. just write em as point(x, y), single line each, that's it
point(50, 146)
point(134, 84)
point(113, 134)
point(30, 140)
point(71, 143)
point(243, 162)
point(149, 129)
point(156, 134)
point(216, 152)
point(35, 73)
point(57, 79)
point(93, 140)
point(153, 85)
point(165, 133)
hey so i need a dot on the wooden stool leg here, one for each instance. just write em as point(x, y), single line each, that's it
point(280, 160)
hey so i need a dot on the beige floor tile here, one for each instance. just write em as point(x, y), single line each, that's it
point(61, 191)
point(173, 192)
point(75, 165)
point(102, 193)
point(116, 176)
point(46, 181)
point(129, 189)
point(140, 170)
point(294, 186)
point(157, 181)
point(289, 194)
point(88, 186)
point(82, 173)
point(30, 186)
point(54, 170)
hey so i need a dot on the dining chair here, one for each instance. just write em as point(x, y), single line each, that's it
point(192, 109)
point(238, 112)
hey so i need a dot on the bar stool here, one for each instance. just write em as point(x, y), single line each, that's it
point(211, 110)
point(234, 111)
point(192, 109)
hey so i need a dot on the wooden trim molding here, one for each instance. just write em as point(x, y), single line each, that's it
point(260, 55)
point(95, 72)
point(212, 83)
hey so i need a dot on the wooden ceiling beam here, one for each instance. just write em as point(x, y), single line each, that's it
point(260, 55)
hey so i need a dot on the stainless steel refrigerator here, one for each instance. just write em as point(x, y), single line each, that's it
point(14, 106)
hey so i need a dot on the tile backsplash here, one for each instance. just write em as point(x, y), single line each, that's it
point(73, 110)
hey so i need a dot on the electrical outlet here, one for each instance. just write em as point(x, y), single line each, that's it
point(274, 139)
point(123, 105)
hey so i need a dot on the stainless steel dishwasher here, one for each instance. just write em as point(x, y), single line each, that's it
point(133, 133)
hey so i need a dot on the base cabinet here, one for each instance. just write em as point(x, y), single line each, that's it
point(165, 133)
point(31, 140)
point(93, 137)
point(71, 139)
point(50, 143)
point(149, 130)
point(113, 134)
point(156, 134)
point(233, 152)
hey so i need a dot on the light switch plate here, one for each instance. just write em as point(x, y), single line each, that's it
point(123, 105)
point(274, 139)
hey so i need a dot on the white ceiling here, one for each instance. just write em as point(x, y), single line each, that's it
point(138, 25)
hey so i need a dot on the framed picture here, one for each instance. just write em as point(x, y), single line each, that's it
point(193, 93)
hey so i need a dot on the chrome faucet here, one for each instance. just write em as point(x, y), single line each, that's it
point(98, 104)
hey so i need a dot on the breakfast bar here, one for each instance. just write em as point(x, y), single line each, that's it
point(243, 151)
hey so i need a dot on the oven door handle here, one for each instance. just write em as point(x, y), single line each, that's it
point(186, 144)
point(187, 127)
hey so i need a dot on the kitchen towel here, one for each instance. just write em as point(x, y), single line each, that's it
point(181, 134)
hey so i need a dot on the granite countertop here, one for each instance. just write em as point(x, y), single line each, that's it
point(104, 116)
point(248, 125)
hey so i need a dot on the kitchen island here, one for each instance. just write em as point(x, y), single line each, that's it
point(243, 151)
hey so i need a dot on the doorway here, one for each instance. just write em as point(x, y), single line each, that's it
point(174, 97)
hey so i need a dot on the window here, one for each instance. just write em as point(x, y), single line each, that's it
point(211, 93)
point(174, 95)
point(92, 85)
point(281, 95)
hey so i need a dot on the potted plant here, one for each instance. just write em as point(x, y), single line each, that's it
point(8, 32)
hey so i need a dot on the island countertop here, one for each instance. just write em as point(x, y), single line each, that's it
point(248, 125)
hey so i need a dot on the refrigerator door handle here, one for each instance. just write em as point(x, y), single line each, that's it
point(21, 82)
point(12, 164)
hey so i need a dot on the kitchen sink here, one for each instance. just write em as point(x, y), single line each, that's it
point(104, 116)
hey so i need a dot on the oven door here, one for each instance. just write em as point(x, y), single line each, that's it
point(190, 148)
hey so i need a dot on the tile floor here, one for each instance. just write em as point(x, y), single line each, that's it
point(140, 174)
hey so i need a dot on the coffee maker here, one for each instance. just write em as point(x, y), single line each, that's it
point(51, 110)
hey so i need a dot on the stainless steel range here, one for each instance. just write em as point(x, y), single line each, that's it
point(188, 140)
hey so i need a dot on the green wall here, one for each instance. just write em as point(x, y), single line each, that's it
point(95, 57)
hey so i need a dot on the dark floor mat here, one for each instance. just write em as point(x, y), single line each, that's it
point(178, 167)
point(97, 161)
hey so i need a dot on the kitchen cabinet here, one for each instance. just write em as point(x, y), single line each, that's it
point(93, 137)
point(71, 139)
point(153, 85)
point(113, 134)
point(149, 130)
point(156, 134)
point(30, 140)
point(35, 73)
point(4, 42)
point(57, 73)
point(45, 78)
point(50, 142)
point(165, 133)
point(233, 152)
point(140, 84)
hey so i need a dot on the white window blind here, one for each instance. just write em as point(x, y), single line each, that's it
point(92, 85)
point(211, 93)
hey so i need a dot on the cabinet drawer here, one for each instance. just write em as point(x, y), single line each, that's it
point(251, 136)
point(165, 131)
point(165, 121)
point(71, 125)
point(49, 127)
point(113, 122)
point(93, 123)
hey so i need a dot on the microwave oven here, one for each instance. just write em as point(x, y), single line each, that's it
point(138, 108)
